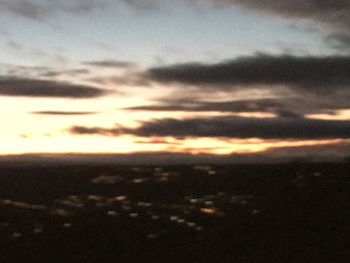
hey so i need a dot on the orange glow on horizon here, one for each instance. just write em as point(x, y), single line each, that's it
point(26, 133)
point(131, 144)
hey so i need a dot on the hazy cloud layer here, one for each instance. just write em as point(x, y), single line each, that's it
point(45, 88)
point(232, 127)
point(316, 74)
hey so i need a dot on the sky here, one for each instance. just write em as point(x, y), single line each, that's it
point(231, 79)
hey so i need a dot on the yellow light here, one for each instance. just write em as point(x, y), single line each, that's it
point(208, 211)
point(120, 198)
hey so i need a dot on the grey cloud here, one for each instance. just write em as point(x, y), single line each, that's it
point(335, 151)
point(41, 10)
point(45, 88)
point(141, 158)
point(36, 71)
point(285, 106)
point(270, 128)
point(339, 41)
point(309, 73)
point(282, 107)
point(232, 127)
point(49, 73)
point(143, 4)
point(95, 131)
point(80, 6)
point(322, 153)
point(129, 79)
point(3, 32)
point(110, 64)
point(333, 12)
point(14, 45)
point(288, 114)
point(26, 9)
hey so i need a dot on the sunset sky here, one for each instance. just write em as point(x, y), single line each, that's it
point(215, 77)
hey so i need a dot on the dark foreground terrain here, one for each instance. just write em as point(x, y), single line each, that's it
point(262, 213)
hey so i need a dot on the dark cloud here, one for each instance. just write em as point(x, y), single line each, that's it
point(287, 114)
point(232, 127)
point(16, 70)
point(95, 131)
point(332, 12)
point(141, 158)
point(110, 64)
point(339, 41)
point(226, 106)
point(269, 128)
point(63, 113)
point(310, 73)
point(49, 73)
point(330, 151)
point(128, 79)
point(35, 10)
point(321, 153)
point(285, 106)
point(26, 9)
point(37, 71)
point(282, 107)
point(44, 88)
